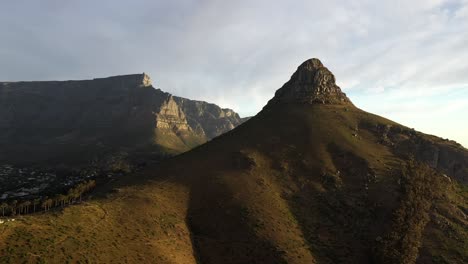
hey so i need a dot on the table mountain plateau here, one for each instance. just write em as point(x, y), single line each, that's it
point(75, 121)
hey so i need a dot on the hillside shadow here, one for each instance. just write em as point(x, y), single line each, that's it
point(220, 229)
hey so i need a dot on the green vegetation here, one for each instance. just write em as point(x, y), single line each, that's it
point(421, 187)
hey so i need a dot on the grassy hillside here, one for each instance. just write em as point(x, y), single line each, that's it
point(295, 184)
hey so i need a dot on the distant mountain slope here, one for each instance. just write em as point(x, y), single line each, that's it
point(310, 179)
point(208, 119)
point(73, 121)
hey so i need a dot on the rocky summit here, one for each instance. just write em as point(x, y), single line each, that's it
point(312, 83)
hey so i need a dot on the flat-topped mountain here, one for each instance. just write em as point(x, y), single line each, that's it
point(76, 121)
point(310, 179)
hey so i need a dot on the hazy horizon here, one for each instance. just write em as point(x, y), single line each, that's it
point(406, 61)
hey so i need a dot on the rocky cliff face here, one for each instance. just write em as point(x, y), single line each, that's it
point(444, 155)
point(170, 116)
point(208, 119)
point(74, 120)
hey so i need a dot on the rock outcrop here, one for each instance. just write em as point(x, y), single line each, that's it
point(170, 116)
point(312, 83)
point(66, 121)
point(444, 155)
point(208, 119)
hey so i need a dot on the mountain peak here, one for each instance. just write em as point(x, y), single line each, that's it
point(311, 64)
point(312, 83)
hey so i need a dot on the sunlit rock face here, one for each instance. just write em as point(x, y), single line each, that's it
point(170, 116)
point(208, 119)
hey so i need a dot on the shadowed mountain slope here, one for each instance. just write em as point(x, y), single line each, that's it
point(310, 179)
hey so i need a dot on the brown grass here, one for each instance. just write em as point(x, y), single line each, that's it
point(267, 192)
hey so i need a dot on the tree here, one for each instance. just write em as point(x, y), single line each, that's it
point(35, 203)
point(3, 206)
point(46, 203)
point(49, 203)
point(23, 206)
point(60, 199)
point(26, 205)
point(13, 207)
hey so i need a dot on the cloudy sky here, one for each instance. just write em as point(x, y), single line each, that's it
point(406, 60)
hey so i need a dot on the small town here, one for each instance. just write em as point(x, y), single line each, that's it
point(25, 183)
point(30, 190)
